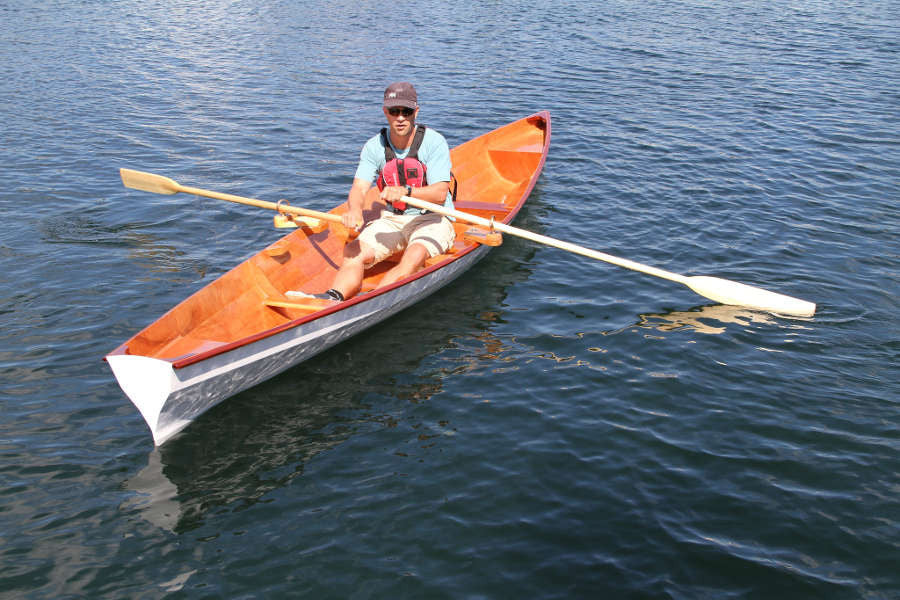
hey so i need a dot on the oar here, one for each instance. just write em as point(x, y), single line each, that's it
point(720, 290)
point(158, 184)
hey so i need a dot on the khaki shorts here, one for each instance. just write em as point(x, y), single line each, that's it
point(392, 233)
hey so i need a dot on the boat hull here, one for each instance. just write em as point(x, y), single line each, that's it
point(170, 399)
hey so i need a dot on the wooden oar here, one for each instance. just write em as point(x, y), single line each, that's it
point(720, 290)
point(158, 184)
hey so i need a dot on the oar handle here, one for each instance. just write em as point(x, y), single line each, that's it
point(546, 240)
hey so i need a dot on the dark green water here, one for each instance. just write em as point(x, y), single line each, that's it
point(547, 426)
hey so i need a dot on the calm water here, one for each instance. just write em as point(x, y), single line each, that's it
point(547, 427)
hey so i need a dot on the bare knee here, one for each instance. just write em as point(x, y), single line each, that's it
point(358, 254)
point(417, 251)
point(413, 258)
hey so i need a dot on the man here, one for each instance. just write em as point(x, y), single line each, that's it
point(406, 159)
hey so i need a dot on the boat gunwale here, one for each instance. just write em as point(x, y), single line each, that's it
point(181, 362)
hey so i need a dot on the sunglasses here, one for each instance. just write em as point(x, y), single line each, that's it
point(401, 110)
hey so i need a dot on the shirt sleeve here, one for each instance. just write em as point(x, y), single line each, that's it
point(371, 160)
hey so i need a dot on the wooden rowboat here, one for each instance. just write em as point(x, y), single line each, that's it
point(242, 329)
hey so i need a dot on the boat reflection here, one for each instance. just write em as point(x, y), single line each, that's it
point(261, 440)
point(157, 497)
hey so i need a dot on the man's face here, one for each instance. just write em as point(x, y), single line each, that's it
point(401, 119)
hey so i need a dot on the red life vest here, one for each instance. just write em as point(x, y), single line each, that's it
point(402, 171)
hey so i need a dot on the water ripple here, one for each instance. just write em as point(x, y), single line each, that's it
point(548, 426)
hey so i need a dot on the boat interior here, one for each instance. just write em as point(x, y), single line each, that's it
point(494, 173)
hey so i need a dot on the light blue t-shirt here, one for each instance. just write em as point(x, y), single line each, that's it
point(434, 153)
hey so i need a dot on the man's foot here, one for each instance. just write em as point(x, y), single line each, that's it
point(331, 294)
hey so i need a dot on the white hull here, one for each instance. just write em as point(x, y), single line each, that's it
point(170, 399)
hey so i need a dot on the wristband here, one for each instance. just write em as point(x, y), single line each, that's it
point(408, 191)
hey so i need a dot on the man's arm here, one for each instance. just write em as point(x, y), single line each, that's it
point(353, 218)
point(434, 193)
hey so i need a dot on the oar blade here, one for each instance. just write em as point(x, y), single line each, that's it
point(148, 182)
point(740, 294)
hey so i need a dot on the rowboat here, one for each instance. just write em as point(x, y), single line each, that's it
point(243, 329)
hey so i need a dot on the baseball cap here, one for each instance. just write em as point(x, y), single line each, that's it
point(401, 93)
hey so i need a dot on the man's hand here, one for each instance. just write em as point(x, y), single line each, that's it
point(353, 219)
point(393, 193)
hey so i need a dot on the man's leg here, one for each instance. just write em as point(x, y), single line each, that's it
point(412, 260)
point(350, 275)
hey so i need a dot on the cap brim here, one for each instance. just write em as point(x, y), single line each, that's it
point(398, 102)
